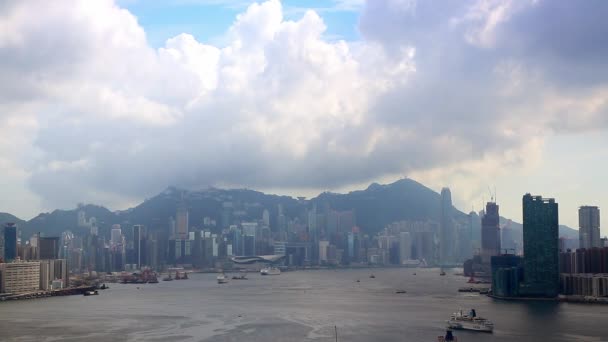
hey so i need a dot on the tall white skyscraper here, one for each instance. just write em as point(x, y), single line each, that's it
point(589, 227)
point(447, 238)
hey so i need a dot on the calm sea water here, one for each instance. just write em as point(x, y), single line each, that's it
point(295, 306)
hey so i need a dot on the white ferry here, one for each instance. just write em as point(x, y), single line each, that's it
point(461, 321)
point(270, 271)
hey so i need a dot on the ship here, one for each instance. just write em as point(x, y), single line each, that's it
point(461, 321)
point(222, 279)
point(270, 271)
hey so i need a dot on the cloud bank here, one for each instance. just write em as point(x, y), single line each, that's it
point(90, 112)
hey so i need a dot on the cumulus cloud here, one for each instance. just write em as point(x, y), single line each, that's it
point(432, 86)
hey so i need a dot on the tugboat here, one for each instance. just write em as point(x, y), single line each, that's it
point(459, 320)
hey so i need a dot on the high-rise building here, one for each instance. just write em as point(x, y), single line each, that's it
point(446, 233)
point(181, 222)
point(541, 259)
point(10, 242)
point(506, 275)
point(323, 245)
point(139, 244)
point(19, 277)
point(48, 247)
point(115, 235)
point(266, 217)
point(405, 247)
point(589, 227)
point(490, 234)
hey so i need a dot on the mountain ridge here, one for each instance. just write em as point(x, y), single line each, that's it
point(375, 206)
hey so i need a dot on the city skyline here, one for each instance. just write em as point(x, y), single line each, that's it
point(142, 95)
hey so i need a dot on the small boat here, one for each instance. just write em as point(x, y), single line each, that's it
point(222, 279)
point(461, 321)
point(240, 277)
point(449, 336)
point(442, 273)
point(358, 281)
point(168, 278)
point(372, 276)
point(400, 291)
point(414, 273)
point(104, 287)
point(91, 293)
point(270, 271)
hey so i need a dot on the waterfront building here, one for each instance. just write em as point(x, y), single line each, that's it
point(447, 237)
point(19, 277)
point(52, 270)
point(541, 259)
point(506, 275)
point(591, 260)
point(588, 285)
point(490, 234)
point(10, 242)
point(589, 227)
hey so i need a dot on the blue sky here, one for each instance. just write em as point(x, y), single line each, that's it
point(208, 20)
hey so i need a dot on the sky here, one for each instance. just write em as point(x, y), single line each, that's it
point(110, 102)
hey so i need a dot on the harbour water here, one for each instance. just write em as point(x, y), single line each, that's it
point(295, 306)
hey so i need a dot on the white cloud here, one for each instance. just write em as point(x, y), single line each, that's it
point(434, 89)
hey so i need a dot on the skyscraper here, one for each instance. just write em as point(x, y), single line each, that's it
point(446, 232)
point(405, 247)
point(48, 247)
point(139, 244)
point(116, 235)
point(589, 227)
point(10, 241)
point(541, 259)
point(182, 222)
point(490, 234)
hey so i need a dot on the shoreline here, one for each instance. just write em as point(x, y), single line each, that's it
point(559, 299)
point(71, 291)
